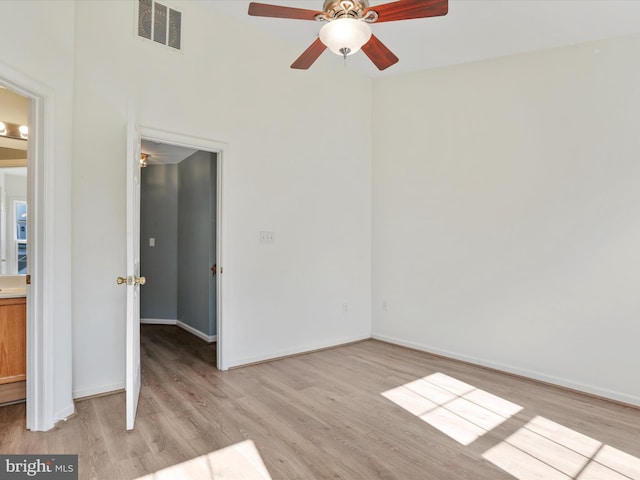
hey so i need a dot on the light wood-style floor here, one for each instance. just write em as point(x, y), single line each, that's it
point(316, 416)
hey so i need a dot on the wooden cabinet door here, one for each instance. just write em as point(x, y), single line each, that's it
point(13, 340)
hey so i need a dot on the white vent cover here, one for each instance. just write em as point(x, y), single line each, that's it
point(159, 23)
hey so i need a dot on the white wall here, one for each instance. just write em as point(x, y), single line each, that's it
point(504, 195)
point(38, 39)
point(506, 227)
point(299, 164)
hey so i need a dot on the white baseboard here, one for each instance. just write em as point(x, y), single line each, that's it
point(562, 382)
point(184, 326)
point(158, 321)
point(80, 393)
point(65, 413)
point(295, 351)
point(197, 333)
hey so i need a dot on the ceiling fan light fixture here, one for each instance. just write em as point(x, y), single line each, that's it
point(345, 36)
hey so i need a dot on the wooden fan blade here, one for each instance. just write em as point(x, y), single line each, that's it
point(276, 11)
point(408, 9)
point(310, 55)
point(379, 54)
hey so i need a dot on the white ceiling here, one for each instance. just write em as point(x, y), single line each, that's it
point(472, 30)
point(162, 153)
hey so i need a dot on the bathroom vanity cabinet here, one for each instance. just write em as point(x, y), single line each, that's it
point(13, 349)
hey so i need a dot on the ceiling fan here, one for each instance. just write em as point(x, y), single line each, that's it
point(347, 27)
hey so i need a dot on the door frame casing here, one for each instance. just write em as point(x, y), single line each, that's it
point(221, 149)
point(41, 301)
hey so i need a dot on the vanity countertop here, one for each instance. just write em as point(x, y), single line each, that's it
point(13, 292)
point(13, 286)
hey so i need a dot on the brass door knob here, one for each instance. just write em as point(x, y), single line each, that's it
point(131, 280)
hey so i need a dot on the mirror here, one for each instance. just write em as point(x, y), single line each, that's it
point(14, 112)
point(13, 220)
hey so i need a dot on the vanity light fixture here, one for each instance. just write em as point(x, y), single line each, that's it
point(14, 130)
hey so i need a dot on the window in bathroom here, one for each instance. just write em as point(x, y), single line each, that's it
point(21, 236)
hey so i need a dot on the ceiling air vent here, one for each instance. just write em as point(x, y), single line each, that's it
point(159, 23)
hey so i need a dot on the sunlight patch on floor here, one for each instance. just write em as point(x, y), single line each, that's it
point(543, 449)
point(457, 409)
point(241, 461)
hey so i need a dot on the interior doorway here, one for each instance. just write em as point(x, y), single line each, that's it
point(179, 238)
point(14, 259)
point(48, 323)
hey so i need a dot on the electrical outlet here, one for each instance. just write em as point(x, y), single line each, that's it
point(385, 306)
point(345, 308)
point(267, 237)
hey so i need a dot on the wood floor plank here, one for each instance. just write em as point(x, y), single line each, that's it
point(316, 416)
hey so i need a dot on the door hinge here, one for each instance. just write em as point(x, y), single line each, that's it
point(28, 279)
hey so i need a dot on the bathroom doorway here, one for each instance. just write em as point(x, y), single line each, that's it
point(48, 300)
point(14, 260)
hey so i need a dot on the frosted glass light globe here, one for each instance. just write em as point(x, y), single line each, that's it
point(345, 36)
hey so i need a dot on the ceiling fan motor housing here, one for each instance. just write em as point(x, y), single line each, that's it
point(334, 9)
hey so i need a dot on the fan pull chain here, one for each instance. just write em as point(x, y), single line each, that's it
point(345, 51)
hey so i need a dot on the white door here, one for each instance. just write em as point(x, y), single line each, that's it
point(133, 279)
